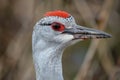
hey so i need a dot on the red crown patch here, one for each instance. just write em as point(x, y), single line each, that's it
point(58, 13)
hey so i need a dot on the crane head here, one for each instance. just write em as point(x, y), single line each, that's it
point(60, 27)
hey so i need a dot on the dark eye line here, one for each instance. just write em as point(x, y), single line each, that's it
point(48, 24)
point(45, 24)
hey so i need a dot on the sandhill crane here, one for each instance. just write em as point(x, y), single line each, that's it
point(51, 35)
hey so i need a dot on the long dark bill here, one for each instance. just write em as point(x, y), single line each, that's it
point(80, 32)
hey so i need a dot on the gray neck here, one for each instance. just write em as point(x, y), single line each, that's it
point(47, 60)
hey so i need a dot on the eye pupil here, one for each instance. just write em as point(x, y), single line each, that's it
point(57, 26)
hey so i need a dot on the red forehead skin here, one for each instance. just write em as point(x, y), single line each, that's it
point(58, 13)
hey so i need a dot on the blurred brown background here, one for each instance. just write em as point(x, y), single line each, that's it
point(86, 60)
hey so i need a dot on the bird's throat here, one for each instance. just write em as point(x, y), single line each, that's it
point(48, 63)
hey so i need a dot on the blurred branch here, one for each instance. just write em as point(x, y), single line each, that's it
point(87, 61)
point(102, 19)
point(105, 58)
point(85, 12)
point(107, 62)
point(18, 45)
point(104, 14)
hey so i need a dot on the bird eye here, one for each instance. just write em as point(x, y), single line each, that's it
point(58, 27)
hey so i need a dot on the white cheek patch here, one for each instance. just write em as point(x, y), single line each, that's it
point(64, 38)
